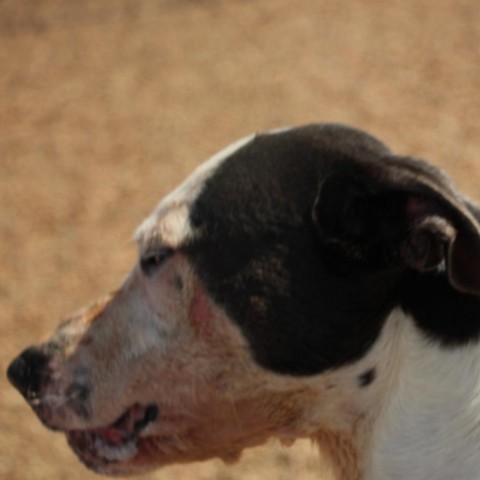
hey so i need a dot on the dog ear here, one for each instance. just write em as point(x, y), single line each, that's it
point(400, 213)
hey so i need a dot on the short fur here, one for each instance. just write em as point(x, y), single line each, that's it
point(302, 283)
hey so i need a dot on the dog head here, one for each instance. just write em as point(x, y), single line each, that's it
point(258, 306)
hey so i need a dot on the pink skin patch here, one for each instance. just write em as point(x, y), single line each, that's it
point(200, 311)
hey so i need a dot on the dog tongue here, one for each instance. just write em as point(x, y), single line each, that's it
point(112, 435)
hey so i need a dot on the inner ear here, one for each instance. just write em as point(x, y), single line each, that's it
point(428, 244)
point(397, 219)
point(463, 263)
point(444, 232)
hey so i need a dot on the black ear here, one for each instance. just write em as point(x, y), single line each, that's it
point(400, 213)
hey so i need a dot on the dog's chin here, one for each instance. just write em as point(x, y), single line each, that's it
point(133, 445)
point(116, 449)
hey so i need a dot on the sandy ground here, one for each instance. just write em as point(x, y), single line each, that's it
point(107, 105)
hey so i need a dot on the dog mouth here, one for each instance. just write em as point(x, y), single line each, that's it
point(117, 442)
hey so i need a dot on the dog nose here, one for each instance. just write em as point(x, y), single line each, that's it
point(28, 371)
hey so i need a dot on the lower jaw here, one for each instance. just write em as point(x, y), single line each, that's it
point(138, 462)
point(104, 458)
point(146, 454)
point(115, 446)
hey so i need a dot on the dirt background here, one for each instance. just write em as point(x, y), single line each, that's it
point(106, 105)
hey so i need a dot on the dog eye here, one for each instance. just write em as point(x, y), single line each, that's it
point(151, 261)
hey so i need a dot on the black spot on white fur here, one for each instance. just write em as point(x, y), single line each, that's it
point(304, 302)
point(367, 377)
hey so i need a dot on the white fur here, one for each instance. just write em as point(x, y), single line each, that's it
point(172, 212)
point(430, 427)
point(169, 221)
point(147, 330)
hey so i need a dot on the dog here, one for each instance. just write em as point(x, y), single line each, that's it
point(302, 283)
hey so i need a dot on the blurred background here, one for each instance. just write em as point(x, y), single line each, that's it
point(106, 105)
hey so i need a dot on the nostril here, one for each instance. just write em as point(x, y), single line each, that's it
point(28, 370)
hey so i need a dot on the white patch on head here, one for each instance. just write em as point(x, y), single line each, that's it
point(275, 131)
point(169, 224)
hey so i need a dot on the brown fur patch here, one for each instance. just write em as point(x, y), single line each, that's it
point(341, 454)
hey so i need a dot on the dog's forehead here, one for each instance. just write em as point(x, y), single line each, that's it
point(169, 223)
point(275, 165)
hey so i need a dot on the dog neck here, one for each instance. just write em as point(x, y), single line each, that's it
point(429, 426)
point(419, 417)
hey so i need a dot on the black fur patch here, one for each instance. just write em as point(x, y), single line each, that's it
point(303, 306)
point(367, 377)
point(443, 313)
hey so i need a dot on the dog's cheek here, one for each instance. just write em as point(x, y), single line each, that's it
point(201, 312)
